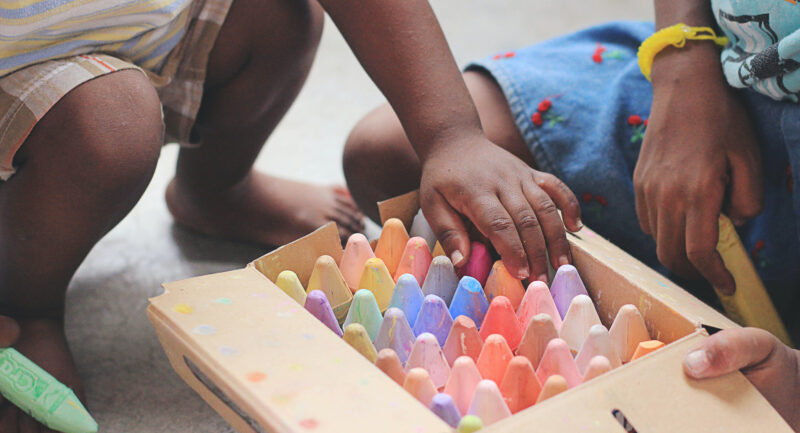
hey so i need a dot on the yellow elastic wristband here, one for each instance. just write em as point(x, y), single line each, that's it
point(676, 36)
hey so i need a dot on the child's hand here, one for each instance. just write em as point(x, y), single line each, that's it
point(772, 367)
point(509, 203)
point(698, 148)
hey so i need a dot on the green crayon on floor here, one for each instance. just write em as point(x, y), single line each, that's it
point(41, 395)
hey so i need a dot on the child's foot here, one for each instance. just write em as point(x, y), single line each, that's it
point(265, 209)
point(43, 342)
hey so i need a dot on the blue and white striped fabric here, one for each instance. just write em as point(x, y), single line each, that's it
point(140, 31)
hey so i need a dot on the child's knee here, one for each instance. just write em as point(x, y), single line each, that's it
point(109, 131)
point(376, 139)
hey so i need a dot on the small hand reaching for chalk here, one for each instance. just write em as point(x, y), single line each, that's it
point(772, 367)
point(513, 205)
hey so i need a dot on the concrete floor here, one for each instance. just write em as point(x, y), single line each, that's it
point(131, 387)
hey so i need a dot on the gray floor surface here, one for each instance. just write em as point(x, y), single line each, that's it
point(130, 385)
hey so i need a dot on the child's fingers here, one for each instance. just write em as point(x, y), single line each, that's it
point(492, 219)
point(564, 198)
point(702, 235)
point(642, 211)
point(551, 225)
point(731, 350)
point(671, 243)
point(529, 224)
point(448, 227)
point(746, 187)
point(9, 331)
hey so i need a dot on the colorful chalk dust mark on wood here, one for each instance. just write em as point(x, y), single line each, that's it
point(297, 367)
point(255, 376)
point(308, 336)
point(183, 309)
point(205, 330)
point(309, 423)
point(223, 301)
point(228, 351)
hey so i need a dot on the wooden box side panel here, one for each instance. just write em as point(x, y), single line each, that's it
point(654, 396)
point(300, 255)
point(277, 362)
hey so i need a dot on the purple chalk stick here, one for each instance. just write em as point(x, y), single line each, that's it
point(434, 317)
point(317, 304)
point(445, 408)
point(396, 334)
point(566, 285)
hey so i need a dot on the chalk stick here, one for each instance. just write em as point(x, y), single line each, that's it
point(580, 318)
point(288, 282)
point(557, 359)
point(416, 260)
point(479, 263)
point(392, 243)
point(441, 279)
point(462, 340)
point(597, 366)
point(326, 277)
point(501, 319)
point(421, 228)
point(627, 331)
point(445, 408)
point(434, 317)
point(438, 250)
point(419, 384)
point(554, 385)
point(597, 343)
point(364, 310)
point(463, 380)
point(534, 341)
point(537, 300)
point(646, 347)
point(566, 285)
point(395, 333)
point(494, 358)
point(356, 253)
point(390, 364)
point(408, 297)
point(317, 304)
point(469, 424)
point(520, 386)
point(356, 336)
point(426, 353)
point(501, 283)
point(488, 403)
point(377, 279)
point(469, 300)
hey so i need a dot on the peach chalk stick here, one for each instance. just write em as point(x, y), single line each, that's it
point(646, 347)
point(463, 339)
point(537, 300)
point(427, 354)
point(580, 318)
point(463, 380)
point(501, 283)
point(416, 260)
point(534, 341)
point(392, 243)
point(419, 384)
point(627, 331)
point(557, 359)
point(520, 386)
point(597, 366)
point(488, 403)
point(390, 364)
point(494, 358)
point(597, 343)
point(356, 253)
point(438, 250)
point(554, 385)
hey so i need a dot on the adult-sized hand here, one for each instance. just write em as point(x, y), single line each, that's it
point(699, 148)
point(513, 205)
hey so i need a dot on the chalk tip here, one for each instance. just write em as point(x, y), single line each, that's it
point(469, 424)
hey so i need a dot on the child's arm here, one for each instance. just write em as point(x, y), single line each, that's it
point(772, 367)
point(699, 149)
point(401, 46)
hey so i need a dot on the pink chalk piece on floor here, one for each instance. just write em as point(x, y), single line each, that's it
point(494, 358)
point(478, 264)
point(416, 260)
point(537, 300)
point(488, 404)
point(463, 380)
point(427, 354)
point(501, 319)
point(580, 318)
point(566, 285)
point(463, 339)
point(356, 253)
point(557, 359)
point(597, 343)
point(317, 304)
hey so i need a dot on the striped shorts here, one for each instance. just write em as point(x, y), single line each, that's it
point(27, 94)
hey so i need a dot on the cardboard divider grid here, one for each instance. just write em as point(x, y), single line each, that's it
point(265, 364)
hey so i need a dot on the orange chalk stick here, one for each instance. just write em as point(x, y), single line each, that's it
point(392, 243)
point(416, 260)
point(646, 347)
point(464, 378)
point(502, 283)
point(494, 358)
point(627, 331)
point(537, 300)
point(501, 319)
point(356, 253)
point(419, 384)
point(539, 332)
point(557, 359)
point(554, 385)
point(438, 250)
point(520, 386)
point(390, 364)
point(463, 339)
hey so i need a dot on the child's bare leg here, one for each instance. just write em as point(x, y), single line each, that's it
point(380, 163)
point(258, 65)
point(81, 170)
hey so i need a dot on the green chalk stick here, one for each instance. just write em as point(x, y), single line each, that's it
point(42, 396)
